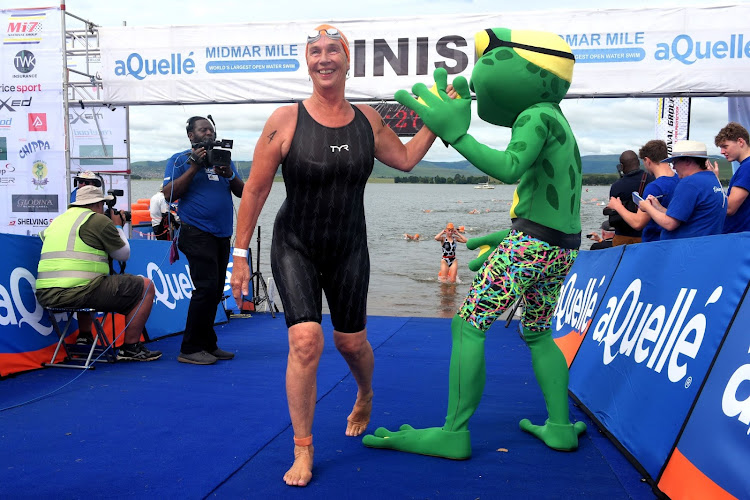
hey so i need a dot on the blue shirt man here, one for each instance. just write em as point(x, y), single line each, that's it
point(739, 221)
point(734, 142)
point(662, 188)
point(698, 205)
point(205, 193)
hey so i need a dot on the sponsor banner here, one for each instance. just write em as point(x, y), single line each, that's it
point(31, 115)
point(98, 139)
point(173, 286)
point(656, 51)
point(672, 120)
point(35, 203)
point(712, 454)
point(581, 294)
point(26, 336)
point(654, 336)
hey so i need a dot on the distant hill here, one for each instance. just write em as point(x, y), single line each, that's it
point(592, 164)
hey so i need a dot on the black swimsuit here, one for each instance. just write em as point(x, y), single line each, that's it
point(320, 235)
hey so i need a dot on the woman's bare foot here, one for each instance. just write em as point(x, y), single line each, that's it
point(357, 421)
point(301, 472)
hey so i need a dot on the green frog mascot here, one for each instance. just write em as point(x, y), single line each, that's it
point(519, 79)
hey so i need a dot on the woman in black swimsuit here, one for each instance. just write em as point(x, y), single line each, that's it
point(326, 147)
point(448, 264)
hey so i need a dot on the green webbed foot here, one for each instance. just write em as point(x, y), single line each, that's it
point(562, 437)
point(433, 441)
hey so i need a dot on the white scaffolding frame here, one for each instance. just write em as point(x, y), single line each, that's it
point(82, 86)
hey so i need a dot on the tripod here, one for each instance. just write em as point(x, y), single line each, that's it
point(260, 292)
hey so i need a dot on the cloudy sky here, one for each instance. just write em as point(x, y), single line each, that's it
point(602, 126)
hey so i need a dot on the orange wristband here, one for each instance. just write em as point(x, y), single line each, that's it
point(307, 441)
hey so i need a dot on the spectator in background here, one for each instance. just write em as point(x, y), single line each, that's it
point(698, 205)
point(605, 240)
point(733, 140)
point(632, 179)
point(653, 154)
point(86, 178)
point(161, 219)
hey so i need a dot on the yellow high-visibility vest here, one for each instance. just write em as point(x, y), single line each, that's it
point(66, 261)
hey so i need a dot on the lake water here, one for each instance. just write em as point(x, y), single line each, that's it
point(403, 279)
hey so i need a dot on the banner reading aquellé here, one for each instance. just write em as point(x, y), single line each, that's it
point(654, 337)
point(580, 297)
point(619, 52)
point(712, 455)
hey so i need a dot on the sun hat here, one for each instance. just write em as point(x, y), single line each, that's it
point(687, 149)
point(88, 195)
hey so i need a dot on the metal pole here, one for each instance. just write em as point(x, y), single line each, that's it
point(66, 102)
point(257, 267)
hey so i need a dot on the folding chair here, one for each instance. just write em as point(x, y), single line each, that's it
point(79, 355)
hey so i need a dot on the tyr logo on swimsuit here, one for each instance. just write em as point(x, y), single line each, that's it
point(336, 149)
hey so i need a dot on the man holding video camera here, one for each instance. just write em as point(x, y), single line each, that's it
point(203, 178)
point(74, 271)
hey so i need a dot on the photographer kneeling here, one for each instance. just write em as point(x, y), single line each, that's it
point(74, 271)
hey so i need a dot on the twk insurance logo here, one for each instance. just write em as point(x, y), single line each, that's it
point(25, 62)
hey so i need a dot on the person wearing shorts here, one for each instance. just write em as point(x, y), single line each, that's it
point(73, 271)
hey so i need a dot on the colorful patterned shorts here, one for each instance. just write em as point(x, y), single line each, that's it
point(521, 266)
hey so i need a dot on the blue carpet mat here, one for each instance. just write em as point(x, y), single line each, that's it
point(170, 430)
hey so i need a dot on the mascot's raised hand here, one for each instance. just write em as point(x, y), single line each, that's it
point(519, 79)
point(448, 118)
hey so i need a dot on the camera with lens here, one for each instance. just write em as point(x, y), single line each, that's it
point(217, 152)
point(127, 216)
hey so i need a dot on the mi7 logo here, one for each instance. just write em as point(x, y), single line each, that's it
point(337, 149)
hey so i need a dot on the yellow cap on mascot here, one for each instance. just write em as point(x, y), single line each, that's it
point(560, 66)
